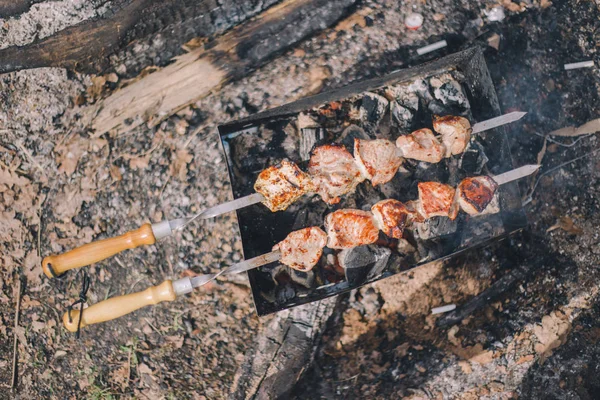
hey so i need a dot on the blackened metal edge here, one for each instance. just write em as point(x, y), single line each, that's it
point(471, 63)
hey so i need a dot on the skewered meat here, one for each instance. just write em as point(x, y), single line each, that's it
point(281, 185)
point(455, 131)
point(475, 194)
point(302, 249)
point(334, 172)
point(390, 216)
point(350, 228)
point(377, 160)
point(421, 145)
point(437, 199)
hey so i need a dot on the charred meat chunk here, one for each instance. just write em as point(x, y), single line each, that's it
point(350, 228)
point(437, 199)
point(302, 249)
point(475, 194)
point(334, 172)
point(455, 131)
point(378, 159)
point(390, 216)
point(282, 184)
point(421, 145)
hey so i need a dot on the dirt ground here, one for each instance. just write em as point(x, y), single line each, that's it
point(62, 186)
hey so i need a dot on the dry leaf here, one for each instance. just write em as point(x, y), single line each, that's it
point(139, 162)
point(69, 154)
point(115, 173)
point(566, 224)
point(177, 341)
point(588, 128)
point(10, 178)
point(551, 334)
point(120, 376)
point(545, 3)
point(179, 165)
point(542, 152)
point(144, 369)
point(32, 268)
point(316, 77)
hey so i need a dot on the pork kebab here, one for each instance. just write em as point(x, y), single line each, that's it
point(334, 172)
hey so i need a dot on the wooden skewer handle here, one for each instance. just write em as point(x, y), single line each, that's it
point(90, 253)
point(116, 307)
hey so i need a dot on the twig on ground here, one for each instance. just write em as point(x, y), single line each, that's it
point(13, 381)
point(529, 197)
point(29, 156)
point(559, 143)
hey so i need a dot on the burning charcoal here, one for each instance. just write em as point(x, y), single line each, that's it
point(247, 147)
point(290, 141)
point(436, 227)
point(350, 133)
point(451, 93)
point(363, 262)
point(404, 247)
point(421, 88)
point(473, 159)
point(401, 116)
point(437, 108)
point(373, 107)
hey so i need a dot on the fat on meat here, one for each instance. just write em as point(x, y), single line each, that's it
point(437, 199)
point(455, 132)
point(378, 160)
point(282, 184)
point(302, 249)
point(390, 217)
point(475, 194)
point(334, 172)
point(421, 145)
point(349, 228)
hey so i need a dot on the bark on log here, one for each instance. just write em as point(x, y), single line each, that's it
point(280, 354)
point(229, 57)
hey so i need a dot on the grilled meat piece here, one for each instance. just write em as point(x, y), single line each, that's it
point(475, 194)
point(302, 249)
point(421, 145)
point(390, 217)
point(334, 172)
point(282, 185)
point(437, 199)
point(377, 160)
point(350, 228)
point(455, 131)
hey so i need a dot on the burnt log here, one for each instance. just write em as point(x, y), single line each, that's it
point(229, 57)
point(282, 352)
point(158, 27)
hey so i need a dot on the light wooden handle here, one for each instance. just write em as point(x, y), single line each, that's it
point(90, 253)
point(116, 307)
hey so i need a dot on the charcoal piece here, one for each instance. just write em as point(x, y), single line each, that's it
point(398, 188)
point(451, 93)
point(363, 262)
point(350, 133)
point(291, 141)
point(436, 227)
point(247, 149)
point(311, 213)
point(421, 88)
point(285, 294)
point(438, 108)
point(309, 139)
point(304, 278)
point(473, 159)
point(373, 107)
point(401, 116)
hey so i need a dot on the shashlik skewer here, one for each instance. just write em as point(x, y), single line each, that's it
point(334, 171)
point(302, 249)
